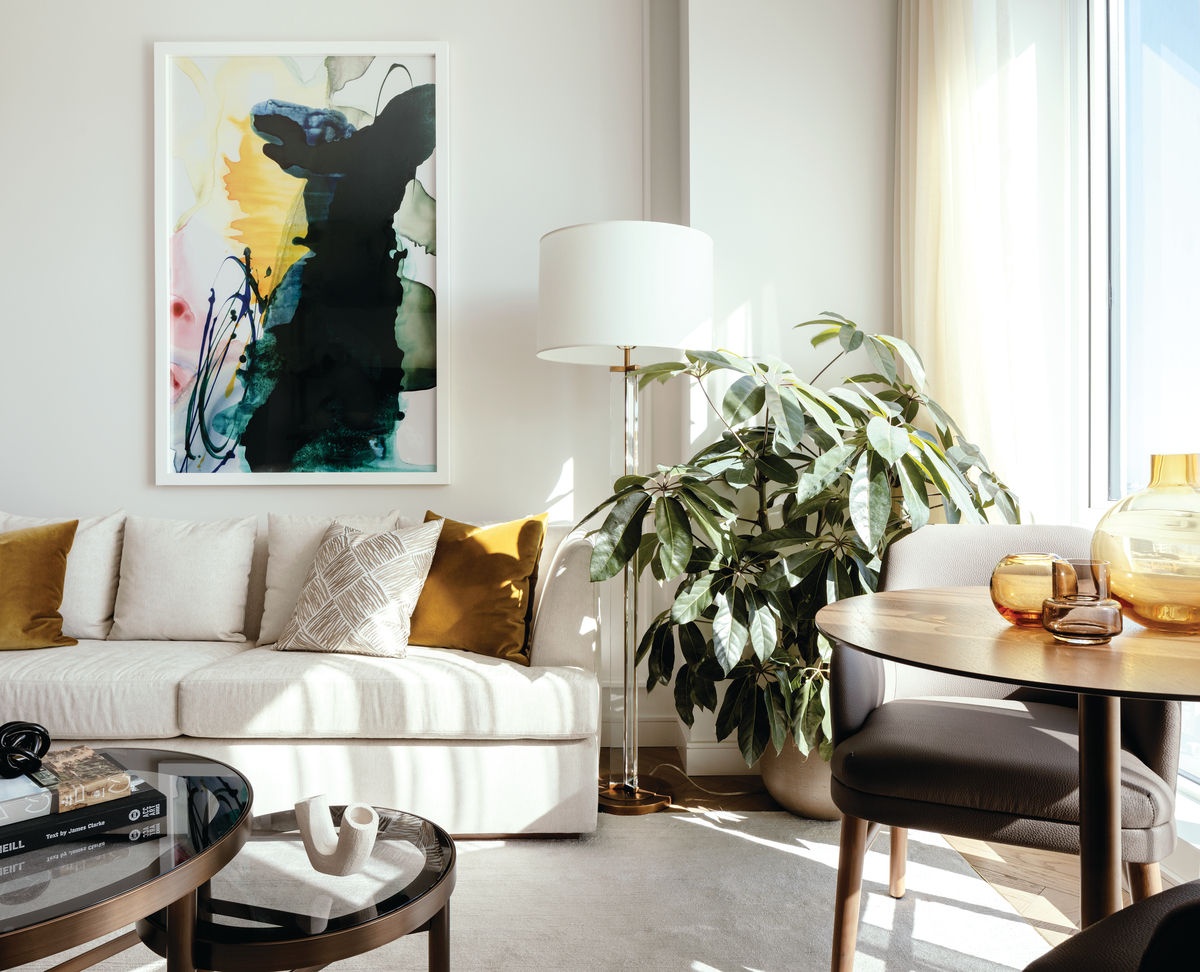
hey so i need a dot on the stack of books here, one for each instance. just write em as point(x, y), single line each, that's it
point(78, 794)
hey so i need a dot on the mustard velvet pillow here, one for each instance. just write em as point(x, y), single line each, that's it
point(33, 565)
point(479, 593)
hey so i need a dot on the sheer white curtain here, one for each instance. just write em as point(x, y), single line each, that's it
point(991, 207)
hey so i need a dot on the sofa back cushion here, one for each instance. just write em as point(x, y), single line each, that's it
point(90, 586)
point(360, 591)
point(183, 581)
point(479, 593)
point(292, 543)
point(33, 564)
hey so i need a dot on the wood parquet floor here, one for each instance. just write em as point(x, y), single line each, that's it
point(1042, 886)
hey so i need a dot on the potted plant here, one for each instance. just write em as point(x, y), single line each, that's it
point(791, 507)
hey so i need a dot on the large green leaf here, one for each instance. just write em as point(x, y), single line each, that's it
point(776, 715)
point(646, 553)
point(888, 440)
point(916, 494)
point(744, 399)
point(754, 729)
point(722, 359)
point(801, 697)
point(777, 470)
point(618, 537)
point(789, 572)
point(953, 487)
point(706, 520)
point(916, 367)
point(826, 335)
point(730, 712)
point(838, 317)
point(618, 494)
point(850, 337)
point(711, 498)
point(692, 643)
point(941, 417)
point(870, 500)
point(741, 475)
point(788, 414)
point(826, 710)
point(730, 633)
point(761, 624)
point(659, 372)
point(828, 467)
point(684, 704)
point(661, 664)
point(782, 537)
point(693, 598)
point(882, 357)
point(674, 536)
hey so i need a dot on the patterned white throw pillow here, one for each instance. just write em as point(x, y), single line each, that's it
point(360, 591)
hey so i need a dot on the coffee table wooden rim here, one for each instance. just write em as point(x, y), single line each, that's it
point(78, 927)
point(325, 947)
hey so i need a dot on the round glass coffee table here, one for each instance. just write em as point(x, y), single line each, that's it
point(54, 898)
point(268, 909)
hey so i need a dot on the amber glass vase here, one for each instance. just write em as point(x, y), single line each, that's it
point(1020, 583)
point(1152, 540)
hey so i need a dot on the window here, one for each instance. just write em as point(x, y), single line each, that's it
point(1154, 244)
point(1147, 383)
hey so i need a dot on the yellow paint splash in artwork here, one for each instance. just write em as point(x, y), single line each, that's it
point(271, 207)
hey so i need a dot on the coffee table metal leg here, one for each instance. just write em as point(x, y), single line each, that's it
point(181, 934)
point(1099, 807)
point(439, 941)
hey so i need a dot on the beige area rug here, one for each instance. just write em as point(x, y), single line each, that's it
point(696, 892)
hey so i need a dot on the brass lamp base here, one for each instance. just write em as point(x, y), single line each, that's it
point(650, 796)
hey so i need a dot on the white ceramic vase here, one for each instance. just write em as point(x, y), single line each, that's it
point(331, 851)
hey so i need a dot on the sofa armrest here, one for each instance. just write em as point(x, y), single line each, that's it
point(566, 625)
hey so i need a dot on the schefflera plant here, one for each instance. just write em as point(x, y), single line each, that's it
point(790, 508)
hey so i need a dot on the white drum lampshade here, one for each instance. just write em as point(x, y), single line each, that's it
point(622, 284)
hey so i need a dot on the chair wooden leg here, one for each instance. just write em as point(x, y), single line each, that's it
point(849, 885)
point(898, 859)
point(1144, 880)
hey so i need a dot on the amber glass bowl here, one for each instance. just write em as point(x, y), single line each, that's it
point(1020, 583)
point(1152, 540)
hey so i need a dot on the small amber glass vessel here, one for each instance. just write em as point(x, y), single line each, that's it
point(1020, 583)
point(1080, 612)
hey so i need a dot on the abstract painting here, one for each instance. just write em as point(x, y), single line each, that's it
point(300, 197)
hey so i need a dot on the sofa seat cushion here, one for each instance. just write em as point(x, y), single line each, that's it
point(433, 693)
point(104, 689)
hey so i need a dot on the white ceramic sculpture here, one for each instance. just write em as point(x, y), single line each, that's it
point(331, 851)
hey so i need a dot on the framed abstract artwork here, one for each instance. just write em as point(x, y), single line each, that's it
point(301, 263)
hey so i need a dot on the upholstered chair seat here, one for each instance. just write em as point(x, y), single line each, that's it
point(948, 765)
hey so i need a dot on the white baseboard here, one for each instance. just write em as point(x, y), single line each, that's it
point(714, 759)
point(653, 730)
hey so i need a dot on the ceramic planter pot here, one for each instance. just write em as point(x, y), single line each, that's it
point(798, 783)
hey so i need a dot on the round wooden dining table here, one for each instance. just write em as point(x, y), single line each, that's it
point(958, 631)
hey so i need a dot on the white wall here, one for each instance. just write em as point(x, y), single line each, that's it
point(546, 130)
point(791, 113)
point(790, 152)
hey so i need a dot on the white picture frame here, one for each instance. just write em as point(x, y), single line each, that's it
point(298, 202)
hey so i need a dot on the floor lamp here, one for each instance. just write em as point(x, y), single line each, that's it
point(623, 294)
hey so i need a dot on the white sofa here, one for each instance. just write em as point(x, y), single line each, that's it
point(479, 745)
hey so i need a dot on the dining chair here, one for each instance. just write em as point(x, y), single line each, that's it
point(974, 758)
